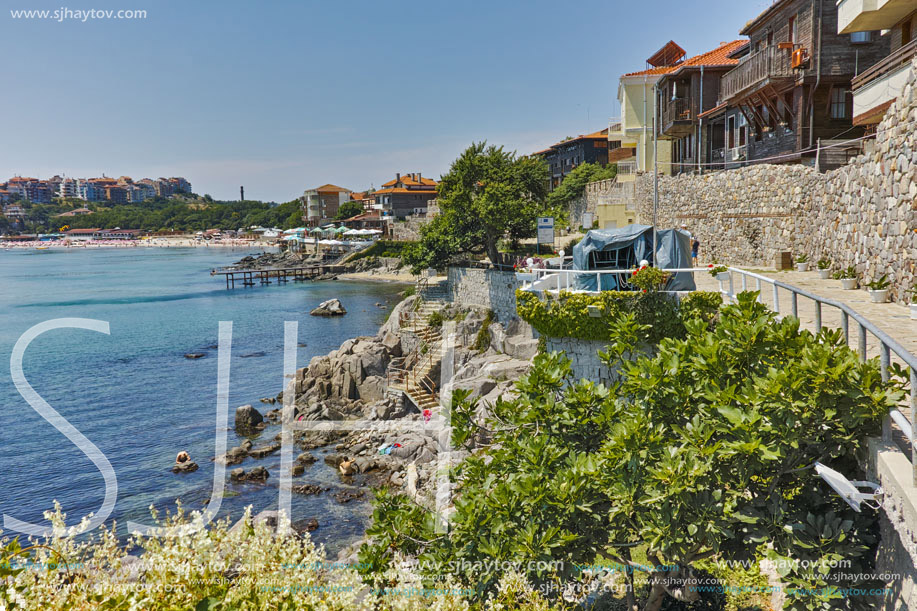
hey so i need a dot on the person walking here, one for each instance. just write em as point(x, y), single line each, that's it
point(695, 247)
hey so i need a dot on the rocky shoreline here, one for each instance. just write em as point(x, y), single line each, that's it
point(350, 383)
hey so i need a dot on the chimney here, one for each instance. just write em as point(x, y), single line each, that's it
point(398, 177)
point(418, 176)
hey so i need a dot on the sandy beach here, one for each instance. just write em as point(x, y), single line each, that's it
point(157, 242)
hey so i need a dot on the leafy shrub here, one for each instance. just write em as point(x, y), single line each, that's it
point(649, 278)
point(703, 450)
point(568, 315)
point(212, 569)
point(435, 319)
point(382, 248)
point(482, 340)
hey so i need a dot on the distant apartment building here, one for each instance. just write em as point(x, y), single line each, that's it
point(116, 194)
point(31, 189)
point(567, 154)
point(320, 205)
point(794, 86)
point(880, 84)
point(407, 195)
point(68, 188)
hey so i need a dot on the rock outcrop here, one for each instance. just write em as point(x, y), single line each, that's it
point(332, 307)
point(248, 418)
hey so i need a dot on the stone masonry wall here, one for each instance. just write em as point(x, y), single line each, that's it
point(491, 289)
point(584, 357)
point(863, 214)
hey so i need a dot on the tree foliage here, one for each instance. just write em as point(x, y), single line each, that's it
point(172, 214)
point(488, 194)
point(349, 210)
point(574, 184)
point(701, 451)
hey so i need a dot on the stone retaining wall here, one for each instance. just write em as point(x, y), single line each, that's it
point(487, 288)
point(863, 214)
point(584, 357)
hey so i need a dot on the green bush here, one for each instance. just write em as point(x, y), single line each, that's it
point(383, 248)
point(567, 315)
point(482, 341)
point(701, 452)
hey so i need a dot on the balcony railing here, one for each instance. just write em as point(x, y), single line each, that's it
point(767, 64)
point(900, 58)
point(626, 168)
point(675, 110)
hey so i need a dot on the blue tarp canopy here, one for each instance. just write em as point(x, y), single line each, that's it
point(624, 248)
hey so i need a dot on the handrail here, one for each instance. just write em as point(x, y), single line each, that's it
point(566, 278)
point(887, 344)
point(897, 60)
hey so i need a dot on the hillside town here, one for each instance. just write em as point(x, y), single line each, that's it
point(666, 363)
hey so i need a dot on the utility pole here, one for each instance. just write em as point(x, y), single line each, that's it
point(242, 194)
point(655, 165)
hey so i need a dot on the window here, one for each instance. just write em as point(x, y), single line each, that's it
point(906, 32)
point(838, 103)
point(743, 131)
point(770, 38)
point(860, 38)
point(731, 132)
point(792, 29)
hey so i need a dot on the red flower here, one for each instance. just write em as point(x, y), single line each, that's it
point(711, 265)
point(635, 273)
point(644, 290)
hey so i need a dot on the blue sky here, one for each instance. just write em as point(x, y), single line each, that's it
point(283, 95)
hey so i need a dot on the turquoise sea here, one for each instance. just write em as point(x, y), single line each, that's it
point(134, 394)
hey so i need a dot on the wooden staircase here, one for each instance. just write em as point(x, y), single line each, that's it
point(410, 374)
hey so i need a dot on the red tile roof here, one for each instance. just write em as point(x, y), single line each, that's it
point(408, 180)
point(331, 188)
point(401, 190)
point(716, 57)
point(653, 71)
point(712, 111)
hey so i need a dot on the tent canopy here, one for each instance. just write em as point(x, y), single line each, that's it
point(624, 248)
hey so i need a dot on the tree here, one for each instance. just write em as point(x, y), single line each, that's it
point(574, 184)
point(702, 450)
point(349, 210)
point(488, 194)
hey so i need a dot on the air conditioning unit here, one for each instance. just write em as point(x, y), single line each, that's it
point(800, 58)
point(736, 155)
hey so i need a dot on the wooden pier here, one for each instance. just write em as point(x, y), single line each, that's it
point(251, 277)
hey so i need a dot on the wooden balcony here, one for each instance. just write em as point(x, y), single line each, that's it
point(677, 118)
point(771, 65)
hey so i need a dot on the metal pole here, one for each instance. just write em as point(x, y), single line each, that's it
point(655, 165)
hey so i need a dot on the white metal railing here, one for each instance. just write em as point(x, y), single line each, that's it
point(887, 344)
point(556, 280)
point(626, 168)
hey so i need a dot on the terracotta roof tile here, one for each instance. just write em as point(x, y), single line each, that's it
point(716, 57)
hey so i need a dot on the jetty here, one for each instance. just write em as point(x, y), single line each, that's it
point(251, 277)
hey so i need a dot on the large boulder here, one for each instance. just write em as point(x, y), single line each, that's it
point(332, 307)
point(247, 417)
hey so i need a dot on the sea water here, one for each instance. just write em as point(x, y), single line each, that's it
point(138, 399)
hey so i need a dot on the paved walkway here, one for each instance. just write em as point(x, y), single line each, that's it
point(892, 318)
